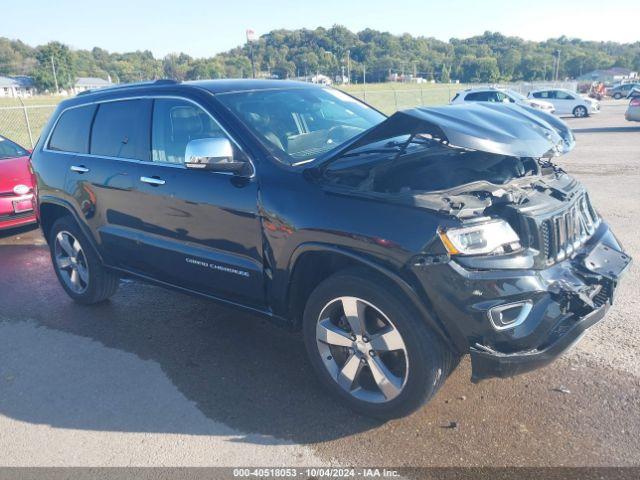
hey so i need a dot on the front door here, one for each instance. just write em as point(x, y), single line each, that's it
point(564, 102)
point(198, 229)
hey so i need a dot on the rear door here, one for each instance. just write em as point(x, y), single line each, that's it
point(102, 181)
point(197, 229)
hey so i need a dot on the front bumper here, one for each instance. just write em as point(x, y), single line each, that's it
point(564, 299)
point(9, 217)
point(487, 363)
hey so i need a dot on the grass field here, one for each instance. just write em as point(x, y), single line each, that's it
point(390, 97)
point(386, 97)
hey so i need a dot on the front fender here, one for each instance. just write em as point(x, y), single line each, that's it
point(282, 285)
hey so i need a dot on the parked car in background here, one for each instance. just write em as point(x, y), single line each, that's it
point(16, 186)
point(567, 102)
point(500, 95)
point(394, 244)
point(622, 90)
point(633, 110)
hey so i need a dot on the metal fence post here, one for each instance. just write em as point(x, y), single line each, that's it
point(395, 98)
point(26, 119)
point(422, 96)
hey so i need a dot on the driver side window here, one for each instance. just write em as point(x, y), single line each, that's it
point(175, 123)
point(563, 96)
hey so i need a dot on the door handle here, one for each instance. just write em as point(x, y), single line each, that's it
point(79, 169)
point(152, 181)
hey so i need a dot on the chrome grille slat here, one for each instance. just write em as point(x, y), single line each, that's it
point(563, 234)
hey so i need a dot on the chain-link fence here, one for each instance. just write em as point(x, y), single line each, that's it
point(401, 96)
point(23, 123)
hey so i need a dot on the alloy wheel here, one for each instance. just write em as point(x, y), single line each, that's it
point(71, 262)
point(362, 349)
point(580, 112)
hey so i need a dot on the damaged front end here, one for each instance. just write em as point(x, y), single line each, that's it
point(579, 291)
point(520, 264)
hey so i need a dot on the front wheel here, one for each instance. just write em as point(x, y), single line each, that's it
point(371, 348)
point(580, 112)
point(77, 266)
point(617, 96)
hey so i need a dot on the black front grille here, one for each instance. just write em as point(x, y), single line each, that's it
point(562, 234)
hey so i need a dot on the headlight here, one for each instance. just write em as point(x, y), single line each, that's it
point(495, 237)
point(21, 189)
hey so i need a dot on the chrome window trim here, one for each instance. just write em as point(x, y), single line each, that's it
point(46, 148)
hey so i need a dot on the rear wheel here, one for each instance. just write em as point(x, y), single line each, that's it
point(580, 112)
point(77, 266)
point(617, 96)
point(370, 348)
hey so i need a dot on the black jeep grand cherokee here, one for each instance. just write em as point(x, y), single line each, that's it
point(396, 244)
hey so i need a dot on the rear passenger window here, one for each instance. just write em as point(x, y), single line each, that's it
point(175, 123)
point(122, 129)
point(71, 133)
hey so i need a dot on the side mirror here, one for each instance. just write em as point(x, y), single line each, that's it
point(215, 154)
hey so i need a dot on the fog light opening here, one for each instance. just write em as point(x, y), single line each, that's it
point(510, 315)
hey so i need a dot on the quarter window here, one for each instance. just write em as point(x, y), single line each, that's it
point(121, 130)
point(71, 133)
point(175, 123)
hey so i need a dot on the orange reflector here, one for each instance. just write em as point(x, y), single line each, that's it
point(447, 243)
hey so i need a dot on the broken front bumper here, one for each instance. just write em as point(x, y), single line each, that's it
point(512, 320)
point(584, 291)
point(488, 363)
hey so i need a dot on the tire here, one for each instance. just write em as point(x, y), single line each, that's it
point(617, 96)
point(72, 252)
point(414, 372)
point(580, 112)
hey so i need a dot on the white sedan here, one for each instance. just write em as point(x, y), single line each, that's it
point(499, 95)
point(567, 102)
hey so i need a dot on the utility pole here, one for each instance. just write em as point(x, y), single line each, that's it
point(364, 75)
point(557, 72)
point(251, 37)
point(55, 77)
point(349, 65)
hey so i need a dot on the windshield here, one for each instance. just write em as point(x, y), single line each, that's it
point(8, 149)
point(300, 124)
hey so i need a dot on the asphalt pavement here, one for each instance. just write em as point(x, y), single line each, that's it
point(154, 377)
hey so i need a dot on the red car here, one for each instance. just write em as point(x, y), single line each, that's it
point(16, 186)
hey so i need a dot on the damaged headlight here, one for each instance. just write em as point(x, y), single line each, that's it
point(495, 237)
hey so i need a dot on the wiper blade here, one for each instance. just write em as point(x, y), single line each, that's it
point(372, 150)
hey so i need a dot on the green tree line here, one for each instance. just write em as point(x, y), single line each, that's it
point(490, 57)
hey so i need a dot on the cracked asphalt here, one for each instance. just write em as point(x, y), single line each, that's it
point(154, 377)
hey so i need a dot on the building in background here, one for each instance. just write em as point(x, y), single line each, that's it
point(18, 86)
point(609, 76)
point(90, 83)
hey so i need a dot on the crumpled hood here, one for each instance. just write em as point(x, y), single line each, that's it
point(503, 129)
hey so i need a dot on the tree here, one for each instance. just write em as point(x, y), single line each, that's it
point(54, 57)
point(445, 74)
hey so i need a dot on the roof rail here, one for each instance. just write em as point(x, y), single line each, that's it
point(161, 81)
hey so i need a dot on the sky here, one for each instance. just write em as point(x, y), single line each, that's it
point(204, 28)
